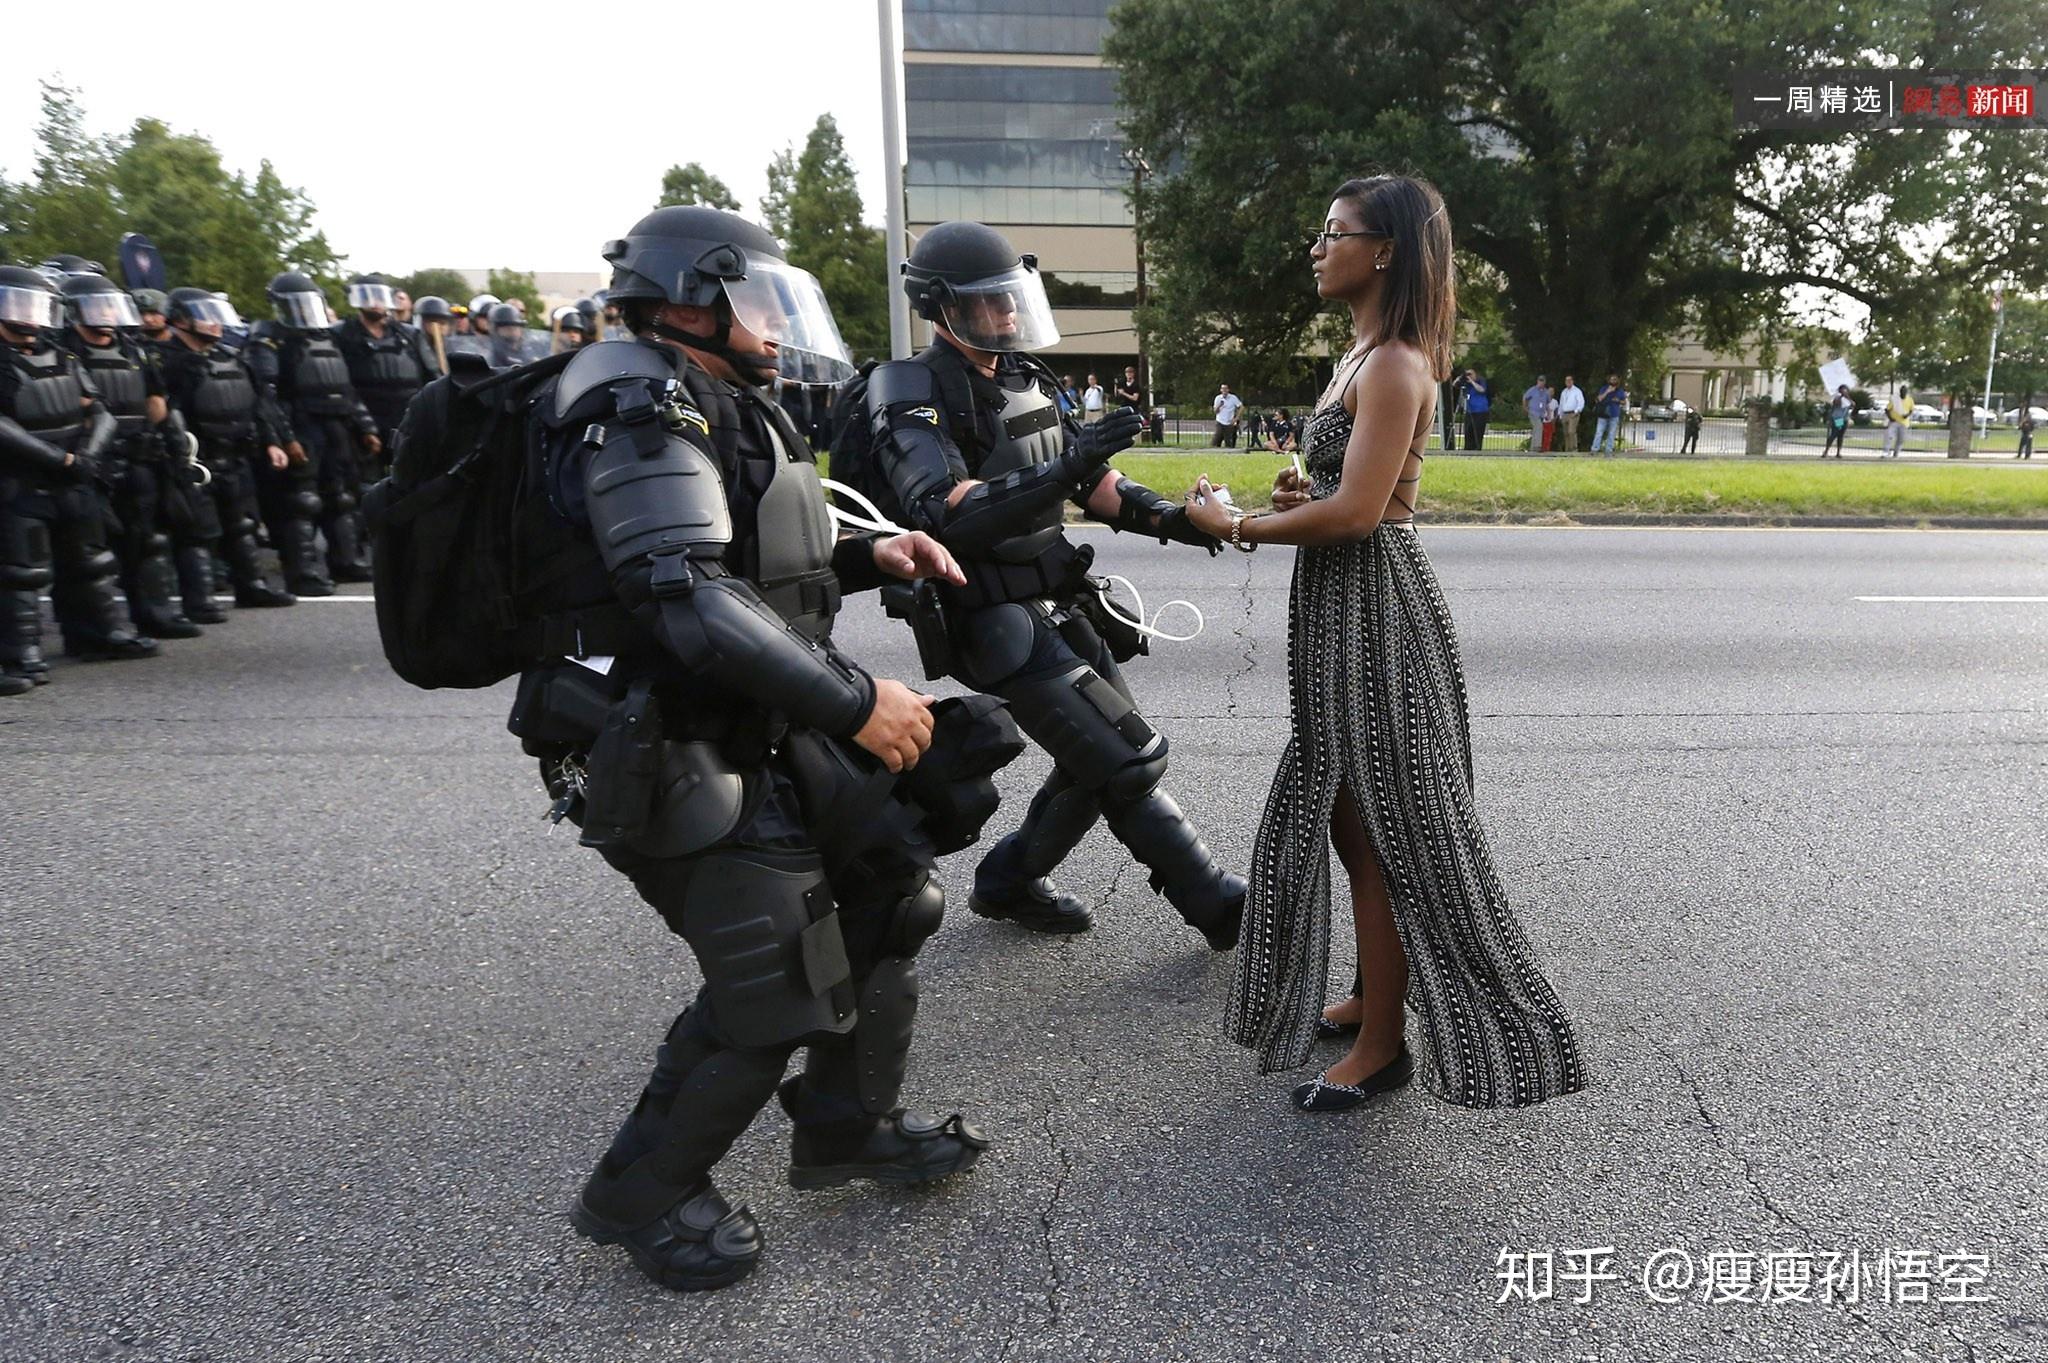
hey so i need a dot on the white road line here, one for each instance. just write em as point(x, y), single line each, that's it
point(2023, 599)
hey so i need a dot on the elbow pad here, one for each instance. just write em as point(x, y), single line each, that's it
point(721, 626)
point(1005, 507)
point(100, 431)
point(23, 450)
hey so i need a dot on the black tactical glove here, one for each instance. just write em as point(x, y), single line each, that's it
point(1097, 444)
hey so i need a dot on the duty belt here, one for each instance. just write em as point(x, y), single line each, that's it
point(1059, 571)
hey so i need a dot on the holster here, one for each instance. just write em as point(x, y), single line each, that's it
point(921, 604)
point(624, 768)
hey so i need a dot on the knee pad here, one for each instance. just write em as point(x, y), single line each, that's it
point(98, 562)
point(155, 543)
point(914, 918)
point(766, 934)
point(340, 500)
point(1090, 729)
point(304, 503)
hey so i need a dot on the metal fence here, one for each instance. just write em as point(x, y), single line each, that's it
point(1718, 437)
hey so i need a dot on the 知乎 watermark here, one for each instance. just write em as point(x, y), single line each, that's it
point(1783, 1277)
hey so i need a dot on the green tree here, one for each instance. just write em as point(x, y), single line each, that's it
point(511, 284)
point(452, 285)
point(692, 184)
point(1587, 154)
point(217, 230)
point(813, 207)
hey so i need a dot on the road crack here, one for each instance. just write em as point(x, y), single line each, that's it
point(1247, 639)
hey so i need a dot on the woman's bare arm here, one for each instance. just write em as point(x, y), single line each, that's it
point(1387, 396)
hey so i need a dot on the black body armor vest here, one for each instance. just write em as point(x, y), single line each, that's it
point(319, 375)
point(224, 402)
point(48, 398)
point(118, 374)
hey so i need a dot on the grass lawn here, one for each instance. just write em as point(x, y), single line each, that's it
point(1484, 485)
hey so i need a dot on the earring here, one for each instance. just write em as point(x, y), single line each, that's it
point(1380, 265)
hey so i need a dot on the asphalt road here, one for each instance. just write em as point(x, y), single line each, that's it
point(311, 1031)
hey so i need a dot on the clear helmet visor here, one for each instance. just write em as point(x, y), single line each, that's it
point(372, 297)
point(304, 311)
point(780, 303)
point(28, 308)
point(217, 311)
point(107, 310)
point(1008, 311)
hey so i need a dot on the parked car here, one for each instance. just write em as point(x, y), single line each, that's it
point(2040, 414)
point(1673, 410)
point(1927, 414)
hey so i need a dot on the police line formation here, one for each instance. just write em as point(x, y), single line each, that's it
point(639, 532)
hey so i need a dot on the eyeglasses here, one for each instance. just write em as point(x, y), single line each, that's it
point(1325, 237)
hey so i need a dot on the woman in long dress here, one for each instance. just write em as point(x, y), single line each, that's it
point(1380, 764)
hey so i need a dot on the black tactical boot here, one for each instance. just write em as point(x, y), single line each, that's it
point(14, 685)
point(153, 601)
point(1003, 892)
point(702, 1242)
point(1214, 908)
point(903, 1147)
point(111, 648)
point(195, 585)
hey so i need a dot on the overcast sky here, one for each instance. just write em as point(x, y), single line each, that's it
point(472, 147)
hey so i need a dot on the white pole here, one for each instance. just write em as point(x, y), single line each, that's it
point(896, 232)
point(1997, 321)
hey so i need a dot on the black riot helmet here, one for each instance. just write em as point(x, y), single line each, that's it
point(67, 264)
point(432, 308)
point(204, 315)
point(587, 309)
point(27, 302)
point(300, 304)
point(370, 295)
point(95, 302)
point(967, 278)
point(708, 258)
point(152, 300)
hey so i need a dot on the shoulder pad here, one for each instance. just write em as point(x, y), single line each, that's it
point(607, 362)
point(902, 381)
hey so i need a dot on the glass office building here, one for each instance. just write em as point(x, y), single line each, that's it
point(1010, 119)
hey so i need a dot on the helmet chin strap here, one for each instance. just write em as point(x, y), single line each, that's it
point(748, 364)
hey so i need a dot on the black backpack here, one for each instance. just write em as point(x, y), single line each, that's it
point(448, 577)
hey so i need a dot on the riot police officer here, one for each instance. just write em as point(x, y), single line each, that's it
point(148, 464)
point(227, 408)
point(53, 433)
point(388, 361)
point(772, 821)
point(155, 328)
point(325, 422)
point(436, 324)
point(969, 439)
point(505, 342)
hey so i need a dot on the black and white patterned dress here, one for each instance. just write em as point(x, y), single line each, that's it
point(1378, 702)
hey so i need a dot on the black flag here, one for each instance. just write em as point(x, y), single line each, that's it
point(142, 265)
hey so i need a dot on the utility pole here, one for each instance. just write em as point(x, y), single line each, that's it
point(1140, 168)
point(1997, 323)
point(895, 229)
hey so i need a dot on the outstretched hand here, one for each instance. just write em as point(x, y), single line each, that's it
point(1291, 489)
point(915, 556)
